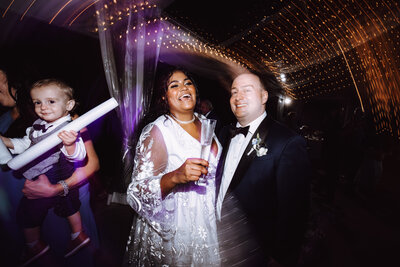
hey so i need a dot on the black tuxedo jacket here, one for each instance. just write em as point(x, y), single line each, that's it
point(273, 190)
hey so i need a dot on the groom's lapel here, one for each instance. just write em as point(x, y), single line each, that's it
point(246, 159)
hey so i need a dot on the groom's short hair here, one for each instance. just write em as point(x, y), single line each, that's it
point(268, 81)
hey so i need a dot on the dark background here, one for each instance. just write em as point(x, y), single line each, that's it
point(353, 223)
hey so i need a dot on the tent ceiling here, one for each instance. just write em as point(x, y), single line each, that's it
point(319, 48)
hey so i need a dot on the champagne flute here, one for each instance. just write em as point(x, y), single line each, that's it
point(207, 133)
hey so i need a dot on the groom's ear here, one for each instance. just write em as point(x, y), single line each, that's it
point(264, 97)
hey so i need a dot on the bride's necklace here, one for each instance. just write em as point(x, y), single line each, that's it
point(184, 122)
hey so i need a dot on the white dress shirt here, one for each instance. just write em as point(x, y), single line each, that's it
point(236, 148)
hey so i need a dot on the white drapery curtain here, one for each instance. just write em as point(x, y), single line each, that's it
point(130, 34)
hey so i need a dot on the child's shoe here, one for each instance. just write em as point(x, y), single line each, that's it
point(74, 245)
point(32, 253)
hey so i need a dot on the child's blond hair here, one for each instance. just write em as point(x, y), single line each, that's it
point(67, 90)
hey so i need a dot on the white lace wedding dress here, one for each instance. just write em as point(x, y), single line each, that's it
point(179, 230)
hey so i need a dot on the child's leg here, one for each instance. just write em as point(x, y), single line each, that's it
point(78, 236)
point(30, 215)
point(68, 207)
point(32, 235)
point(34, 248)
point(75, 222)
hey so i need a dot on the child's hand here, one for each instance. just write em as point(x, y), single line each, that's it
point(68, 137)
point(7, 142)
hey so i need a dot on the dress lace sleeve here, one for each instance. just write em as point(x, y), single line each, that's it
point(144, 191)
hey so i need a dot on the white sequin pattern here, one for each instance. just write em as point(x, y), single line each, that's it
point(179, 230)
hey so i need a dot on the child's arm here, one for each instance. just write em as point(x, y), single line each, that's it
point(19, 145)
point(7, 142)
point(74, 149)
point(68, 138)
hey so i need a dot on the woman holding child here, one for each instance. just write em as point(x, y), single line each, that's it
point(15, 97)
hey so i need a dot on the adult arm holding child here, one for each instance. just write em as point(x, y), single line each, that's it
point(43, 188)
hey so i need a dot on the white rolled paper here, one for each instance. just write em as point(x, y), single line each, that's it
point(53, 140)
point(5, 155)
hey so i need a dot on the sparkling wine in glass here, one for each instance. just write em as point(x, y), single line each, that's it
point(207, 132)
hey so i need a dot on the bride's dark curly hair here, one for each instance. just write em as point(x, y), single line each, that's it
point(159, 105)
point(163, 87)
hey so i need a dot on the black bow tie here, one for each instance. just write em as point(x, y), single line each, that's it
point(41, 127)
point(239, 130)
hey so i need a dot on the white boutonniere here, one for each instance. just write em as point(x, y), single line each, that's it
point(261, 150)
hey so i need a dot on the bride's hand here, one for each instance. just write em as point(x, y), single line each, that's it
point(190, 170)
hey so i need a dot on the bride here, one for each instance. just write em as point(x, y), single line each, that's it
point(176, 223)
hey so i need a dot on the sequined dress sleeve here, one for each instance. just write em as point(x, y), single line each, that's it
point(144, 192)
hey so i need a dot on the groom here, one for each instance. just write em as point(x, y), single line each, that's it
point(263, 183)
